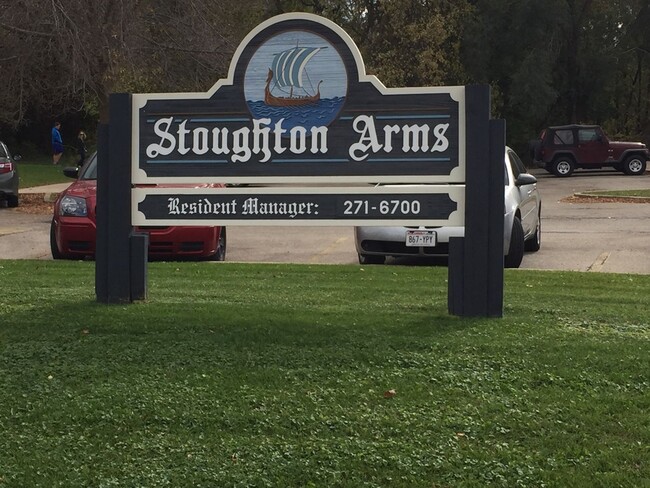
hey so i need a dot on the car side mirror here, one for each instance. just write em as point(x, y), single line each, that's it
point(71, 172)
point(525, 179)
point(599, 138)
point(17, 157)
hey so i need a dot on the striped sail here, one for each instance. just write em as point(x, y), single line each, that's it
point(288, 66)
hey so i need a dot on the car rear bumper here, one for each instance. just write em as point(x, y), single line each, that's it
point(391, 241)
point(8, 184)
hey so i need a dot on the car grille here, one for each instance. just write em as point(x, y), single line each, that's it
point(192, 246)
point(79, 245)
point(168, 247)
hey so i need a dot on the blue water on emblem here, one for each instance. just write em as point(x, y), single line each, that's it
point(316, 114)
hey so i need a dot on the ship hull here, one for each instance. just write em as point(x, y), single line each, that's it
point(274, 101)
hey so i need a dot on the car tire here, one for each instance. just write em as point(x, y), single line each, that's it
point(220, 253)
point(371, 259)
point(516, 250)
point(634, 166)
point(12, 201)
point(56, 254)
point(563, 166)
point(535, 242)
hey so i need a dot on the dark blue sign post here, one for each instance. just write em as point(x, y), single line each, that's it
point(298, 108)
point(121, 253)
point(476, 260)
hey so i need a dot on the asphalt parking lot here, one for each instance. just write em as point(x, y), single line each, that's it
point(587, 236)
point(590, 235)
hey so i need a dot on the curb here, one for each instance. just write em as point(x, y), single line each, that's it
point(617, 197)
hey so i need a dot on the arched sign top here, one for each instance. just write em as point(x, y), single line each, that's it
point(298, 107)
point(283, 39)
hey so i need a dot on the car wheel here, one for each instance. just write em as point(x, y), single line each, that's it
point(563, 166)
point(634, 165)
point(56, 254)
point(12, 201)
point(516, 249)
point(220, 254)
point(371, 259)
point(535, 242)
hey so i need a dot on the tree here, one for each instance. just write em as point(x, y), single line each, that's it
point(404, 42)
point(630, 86)
point(514, 47)
point(562, 61)
point(69, 55)
point(550, 62)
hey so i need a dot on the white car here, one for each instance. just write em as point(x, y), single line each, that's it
point(522, 225)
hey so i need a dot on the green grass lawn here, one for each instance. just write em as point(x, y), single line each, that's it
point(246, 375)
point(621, 193)
point(37, 173)
point(36, 168)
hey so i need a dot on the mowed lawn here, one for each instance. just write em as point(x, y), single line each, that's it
point(39, 172)
point(242, 375)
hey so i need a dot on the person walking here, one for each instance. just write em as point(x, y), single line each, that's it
point(57, 143)
point(81, 147)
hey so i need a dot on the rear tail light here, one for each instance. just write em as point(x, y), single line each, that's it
point(6, 167)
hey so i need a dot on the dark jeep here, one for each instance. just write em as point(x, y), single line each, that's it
point(562, 149)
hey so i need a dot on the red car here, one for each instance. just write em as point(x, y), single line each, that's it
point(73, 229)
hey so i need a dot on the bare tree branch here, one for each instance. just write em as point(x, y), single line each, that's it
point(26, 31)
point(77, 51)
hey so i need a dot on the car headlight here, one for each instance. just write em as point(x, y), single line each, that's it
point(73, 206)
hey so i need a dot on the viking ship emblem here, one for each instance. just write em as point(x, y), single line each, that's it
point(289, 78)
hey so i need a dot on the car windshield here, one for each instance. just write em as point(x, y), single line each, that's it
point(3, 151)
point(89, 171)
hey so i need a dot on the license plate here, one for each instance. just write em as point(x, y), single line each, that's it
point(420, 238)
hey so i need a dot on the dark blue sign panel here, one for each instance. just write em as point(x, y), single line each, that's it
point(297, 206)
point(298, 107)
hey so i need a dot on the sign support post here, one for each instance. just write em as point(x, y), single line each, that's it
point(476, 260)
point(121, 256)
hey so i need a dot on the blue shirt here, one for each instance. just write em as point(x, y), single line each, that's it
point(56, 136)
